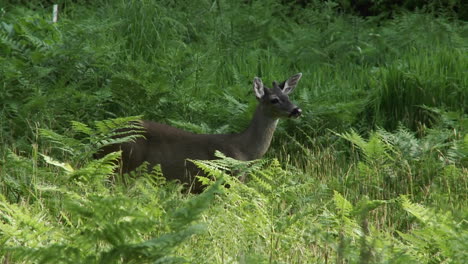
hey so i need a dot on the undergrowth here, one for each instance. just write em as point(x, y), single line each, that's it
point(72, 211)
point(375, 171)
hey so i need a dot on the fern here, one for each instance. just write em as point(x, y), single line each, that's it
point(105, 226)
point(405, 141)
point(220, 167)
point(97, 171)
point(104, 133)
point(100, 225)
point(25, 225)
point(151, 58)
point(439, 239)
point(11, 43)
point(374, 149)
point(105, 127)
point(344, 206)
point(62, 142)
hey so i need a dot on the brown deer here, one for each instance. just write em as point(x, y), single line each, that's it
point(171, 147)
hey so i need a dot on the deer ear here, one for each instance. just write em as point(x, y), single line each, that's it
point(291, 83)
point(258, 88)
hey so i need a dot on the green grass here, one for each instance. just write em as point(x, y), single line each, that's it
point(374, 172)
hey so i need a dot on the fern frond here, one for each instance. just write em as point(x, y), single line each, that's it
point(211, 168)
point(439, 235)
point(420, 212)
point(263, 179)
point(67, 167)
point(64, 143)
point(97, 171)
point(343, 205)
point(12, 44)
point(344, 217)
point(82, 128)
point(105, 127)
point(117, 131)
point(373, 149)
point(18, 221)
point(118, 137)
point(37, 43)
point(403, 140)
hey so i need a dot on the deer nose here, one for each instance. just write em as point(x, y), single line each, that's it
point(296, 112)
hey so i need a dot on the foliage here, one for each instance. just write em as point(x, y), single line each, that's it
point(374, 171)
point(401, 163)
point(81, 217)
point(440, 237)
point(150, 58)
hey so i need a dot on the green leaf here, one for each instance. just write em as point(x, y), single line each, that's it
point(66, 166)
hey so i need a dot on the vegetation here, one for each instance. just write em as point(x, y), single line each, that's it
point(376, 170)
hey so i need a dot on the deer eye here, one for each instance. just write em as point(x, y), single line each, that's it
point(274, 101)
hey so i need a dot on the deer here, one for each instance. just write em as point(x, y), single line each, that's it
point(173, 148)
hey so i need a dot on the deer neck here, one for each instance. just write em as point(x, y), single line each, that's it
point(256, 139)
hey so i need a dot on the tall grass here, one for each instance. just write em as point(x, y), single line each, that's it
point(374, 171)
point(277, 216)
point(166, 54)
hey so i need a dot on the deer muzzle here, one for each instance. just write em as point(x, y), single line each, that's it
point(295, 113)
